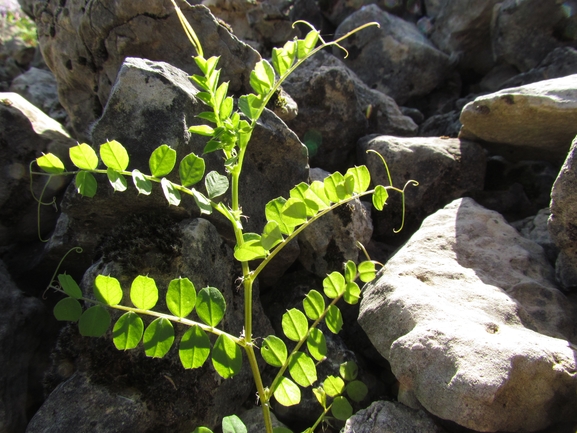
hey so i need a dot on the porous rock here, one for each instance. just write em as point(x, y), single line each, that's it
point(336, 109)
point(535, 121)
point(468, 315)
point(525, 31)
point(389, 417)
point(396, 59)
point(563, 220)
point(26, 133)
point(85, 44)
point(535, 228)
point(445, 168)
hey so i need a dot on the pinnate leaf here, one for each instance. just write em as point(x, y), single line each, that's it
point(287, 393)
point(114, 155)
point(84, 157)
point(226, 356)
point(94, 322)
point(194, 348)
point(86, 184)
point(162, 161)
point(68, 309)
point(274, 351)
point(127, 331)
point(181, 297)
point(210, 306)
point(107, 290)
point(158, 338)
point(50, 163)
point(143, 292)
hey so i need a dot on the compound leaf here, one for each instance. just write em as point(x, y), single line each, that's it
point(143, 292)
point(226, 356)
point(314, 305)
point(158, 338)
point(191, 169)
point(162, 161)
point(274, 351)
point(68, 309)
point(142, 184)
point(50, 163)
point(294, 212)
point(114, 155)
point(317, 193)
point(107, 290)
point(273, 212)
point(302, 369)
point(210, 306)
point(287, 393)
point(127, 331)
point(86, 184)
point(194, 348)
point(181, 297)
point(83, 156)
point(294, 324)
point(94, 322)
point(334, 319)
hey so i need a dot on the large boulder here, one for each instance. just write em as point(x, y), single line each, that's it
point(336, 109)
point(525, 31)
point(562, 222)
point(396, 59)
point(85, 45)
point(467, 314)
point(533, 121)
point(446, 169)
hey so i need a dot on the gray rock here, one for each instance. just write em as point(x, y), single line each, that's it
point(396, 59)
point(390, 417)
point(24, 321)
point(96, 38)
point(462, 29)
point(336, 109)
point(468, 314)
point(525, 31)
point(441, 125)
point(445, 169)
point(26, 133)
point(535, 229)
point(561, 224)
point(535, 121)
point(254, 421)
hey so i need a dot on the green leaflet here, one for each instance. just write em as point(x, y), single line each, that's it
point(380, 197)
point(202, 202)
point(294, 212)
point(352, 293)
point(367, 271)
point(362, 178)
point(84, 157)
point(107, 290)
point(69, 286)
point(233, 424)
point(127, 331)
point(158, 338)
point(194, 348)
point(210, 306)
point(50, 163)
point(262, 77)
point(317, 344)
point(143, 292)
point(294, 324)
point(94, 322)
point(205, 130)
point(350, 271)
point(162, 161)
point(117, 180)
point(250, 105)
point(314, 305)
point(171, 193)
point(85, 184)
point(349, 370)
point(271, 235)
point(226, 356)
point(302, 369)
point(273, 212)
point(283, 58)
point(191, 169)
point(287, 393)
point(341, 408)
point(251, 249)
point(334, 285)
point(216, 184)
point(142, 184)
point(181, 297)
point(333, 386)
point(68, 309)
point(306, 45)
point(274, 351)
point(114, 155)
point(321, 396)
point(334, 319)
point(357, 390)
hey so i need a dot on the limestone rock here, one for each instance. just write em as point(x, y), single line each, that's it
point(468, 315)
point(390, 417)
point(25, 133)
point(445, 169)
point(562, 222)
point(525, 31)
point(336, 109)
point(535, 228)
point(396, 59)
point(534, 121)
point(84, 45)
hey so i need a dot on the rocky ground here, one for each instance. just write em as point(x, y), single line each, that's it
point(471, 324)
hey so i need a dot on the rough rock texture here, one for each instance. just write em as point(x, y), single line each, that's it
point(396, 59)
point(85, 44)
point(336, 109)
point(535, 121)
point(468, 315)
point(525, 31)
point(563, 220)
point(535, 228)
point(445, 169)
point(173, 399)
point(390, 417)
point(26, 132)
point(332, 240)
point(23, 324)
point(462, 29)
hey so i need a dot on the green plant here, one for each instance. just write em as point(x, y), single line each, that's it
point(22, 27)
point(230, 134)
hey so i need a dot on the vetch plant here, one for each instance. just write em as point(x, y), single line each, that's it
point(229, 128)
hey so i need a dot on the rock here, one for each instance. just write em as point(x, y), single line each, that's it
point(445, 169)
point(171, 398)
point(525, 31)
point(396, 59)
point(332, 240)
point(254, 421)
point(535, 229)
point(26, 133)
point(39, 87)
point(562, 226)
point(441, 125)
point(336, 12)
point(85, 46)
point(468, 314)
point(24, 332)
point(462, 30)
point(389, 416)
point(535, 121)
point(336, 109)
